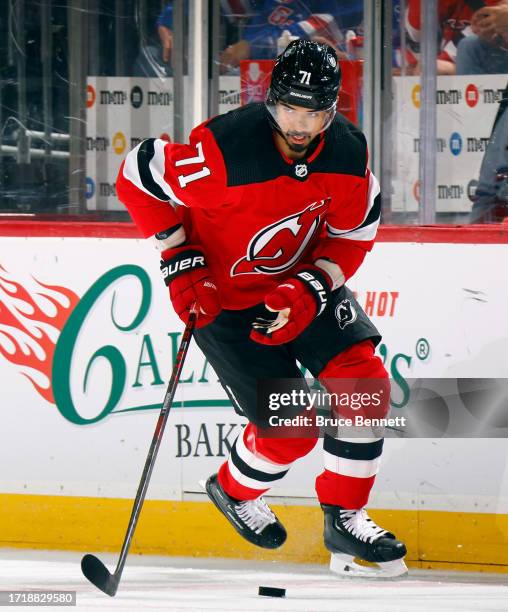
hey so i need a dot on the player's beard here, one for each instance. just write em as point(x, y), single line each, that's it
point(297, 148)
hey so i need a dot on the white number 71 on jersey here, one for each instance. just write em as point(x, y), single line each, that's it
point(185, 179)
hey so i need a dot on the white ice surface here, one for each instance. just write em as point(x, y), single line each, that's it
point(170, 583)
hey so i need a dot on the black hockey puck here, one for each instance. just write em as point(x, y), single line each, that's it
point(271, 592)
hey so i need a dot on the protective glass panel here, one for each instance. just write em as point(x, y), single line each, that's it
point(254, 32)
point(81, 83)
point(470, 154)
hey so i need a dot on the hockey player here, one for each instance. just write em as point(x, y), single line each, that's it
point(261, 219)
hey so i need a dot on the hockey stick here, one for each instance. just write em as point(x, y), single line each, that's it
point(92, 567)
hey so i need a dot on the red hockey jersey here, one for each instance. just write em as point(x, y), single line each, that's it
point(256, 214)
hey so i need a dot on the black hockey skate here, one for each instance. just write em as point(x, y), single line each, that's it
point(252, 519)
point(351, 533)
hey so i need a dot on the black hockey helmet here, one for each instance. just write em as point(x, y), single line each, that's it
point(306, 74)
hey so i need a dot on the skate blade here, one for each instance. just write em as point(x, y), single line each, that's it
point(345, 566)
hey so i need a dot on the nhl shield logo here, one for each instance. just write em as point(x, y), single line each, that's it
point(345, 313)
point(301, 170)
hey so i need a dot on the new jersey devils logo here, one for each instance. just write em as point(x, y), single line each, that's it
point(277, 247)
point(345, 313)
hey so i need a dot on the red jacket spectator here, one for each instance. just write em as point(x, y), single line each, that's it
point(454, 21)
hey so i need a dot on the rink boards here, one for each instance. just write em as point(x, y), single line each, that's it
point(87, 337)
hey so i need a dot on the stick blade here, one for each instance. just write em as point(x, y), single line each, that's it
point(98, 574)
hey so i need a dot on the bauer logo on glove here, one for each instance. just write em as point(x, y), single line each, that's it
point(181, 263)
point(186, 273)
point(292, 307)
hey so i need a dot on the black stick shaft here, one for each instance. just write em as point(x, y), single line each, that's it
point(156, 441)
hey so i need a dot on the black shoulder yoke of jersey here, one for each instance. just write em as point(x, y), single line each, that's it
point(245, 139)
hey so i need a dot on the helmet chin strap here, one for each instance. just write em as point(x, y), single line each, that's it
point(273, 123)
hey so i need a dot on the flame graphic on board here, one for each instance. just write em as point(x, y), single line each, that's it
point(30, 326)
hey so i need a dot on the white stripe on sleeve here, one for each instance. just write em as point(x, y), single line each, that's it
point(131, 171)
point(362, 231)
point(157, 168)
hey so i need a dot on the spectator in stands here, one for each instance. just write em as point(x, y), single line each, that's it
point(491, 197)
point(323, 21)
point(486, 51)
point(454, 22)
point(154, 60)
point(233, 12)
point(165, 31)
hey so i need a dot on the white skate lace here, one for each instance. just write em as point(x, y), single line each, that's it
point(255, 514)
point(359, 524)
